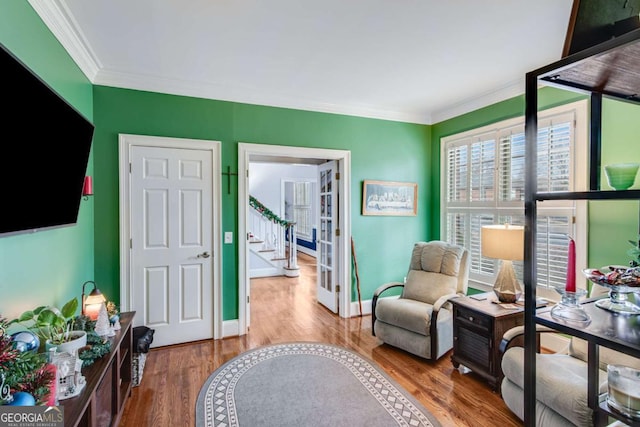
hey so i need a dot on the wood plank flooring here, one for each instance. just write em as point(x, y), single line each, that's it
point(284, 310)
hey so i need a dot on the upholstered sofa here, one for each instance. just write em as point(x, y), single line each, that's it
point(561, 387)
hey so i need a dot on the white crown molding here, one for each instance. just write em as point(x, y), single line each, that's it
point(509, 91)
point(56, 16)
point(246, 95)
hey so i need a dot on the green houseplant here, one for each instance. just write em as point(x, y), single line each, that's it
point(53, 326)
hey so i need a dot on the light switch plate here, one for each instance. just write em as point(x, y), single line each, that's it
point(228, 236)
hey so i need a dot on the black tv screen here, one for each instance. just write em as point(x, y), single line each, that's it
point(45, 146)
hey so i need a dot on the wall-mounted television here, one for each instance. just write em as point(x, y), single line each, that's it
point(44, 146)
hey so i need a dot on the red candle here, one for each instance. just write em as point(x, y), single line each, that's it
point(571, 267)
point(88, 186)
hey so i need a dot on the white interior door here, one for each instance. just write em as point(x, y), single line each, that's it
point(327, 240)
point(171, 243)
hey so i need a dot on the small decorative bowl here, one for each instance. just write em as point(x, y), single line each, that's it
point(621, 175)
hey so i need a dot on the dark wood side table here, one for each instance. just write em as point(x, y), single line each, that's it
point(478, 327)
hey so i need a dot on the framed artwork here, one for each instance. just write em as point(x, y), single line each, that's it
point(389, 198)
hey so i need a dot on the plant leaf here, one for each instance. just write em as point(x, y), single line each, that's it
point(46, 318)
point(69, 309)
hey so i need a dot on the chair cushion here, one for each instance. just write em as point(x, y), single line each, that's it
point(578, 348)
point(408, 314)
point(427, 287)
point(513, 396)
point(561, 382)
point(437, 257)
point(433, 271)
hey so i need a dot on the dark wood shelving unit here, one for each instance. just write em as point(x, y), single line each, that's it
point(607, 70)
point(108, 384)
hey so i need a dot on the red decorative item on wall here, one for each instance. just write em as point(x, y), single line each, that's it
point(87, 188)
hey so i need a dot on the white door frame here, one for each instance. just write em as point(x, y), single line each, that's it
point(245, 151)
point(126, 142)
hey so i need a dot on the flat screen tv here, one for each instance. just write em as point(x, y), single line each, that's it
point(44, 147)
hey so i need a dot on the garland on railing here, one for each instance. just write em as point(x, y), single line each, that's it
point(267, 213)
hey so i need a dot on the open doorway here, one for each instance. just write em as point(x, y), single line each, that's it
point(340, 228)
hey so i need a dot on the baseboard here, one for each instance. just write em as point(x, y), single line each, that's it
point(230, 328)
point(355, 308)
point(265, 272)
point(306, 251)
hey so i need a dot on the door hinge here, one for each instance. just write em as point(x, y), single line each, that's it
point(337, 289)
point(247, 173)
point(130, 167)
point(130, 243)
point(337, 232)
point(248, 299)
point(337, 176)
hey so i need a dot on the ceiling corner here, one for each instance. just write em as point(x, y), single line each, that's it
point(54, 15)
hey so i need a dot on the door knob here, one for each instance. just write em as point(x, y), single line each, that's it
point(204, 254)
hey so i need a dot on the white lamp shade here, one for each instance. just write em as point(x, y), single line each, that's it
point(503, 242)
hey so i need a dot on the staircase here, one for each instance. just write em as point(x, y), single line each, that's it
point(272, 243)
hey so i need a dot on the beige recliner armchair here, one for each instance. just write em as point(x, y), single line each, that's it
point(561, 379)
point(420, 320)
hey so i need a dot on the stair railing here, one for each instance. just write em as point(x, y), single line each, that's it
point(265, 225)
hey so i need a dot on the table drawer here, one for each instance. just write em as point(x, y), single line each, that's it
point(473, 318)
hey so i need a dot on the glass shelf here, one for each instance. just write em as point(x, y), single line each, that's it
point(608, 329)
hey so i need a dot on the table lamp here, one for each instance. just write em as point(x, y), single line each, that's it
point(506, 243)
point(91, 303)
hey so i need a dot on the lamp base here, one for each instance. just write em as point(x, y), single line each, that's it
point(507, 288)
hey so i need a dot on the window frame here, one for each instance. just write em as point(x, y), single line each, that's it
point(578, 182)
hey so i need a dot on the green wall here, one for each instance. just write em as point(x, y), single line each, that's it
point(613, 223)
point(380, 149)
point(47, 267)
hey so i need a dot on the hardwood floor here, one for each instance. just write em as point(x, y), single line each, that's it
point(284, 310)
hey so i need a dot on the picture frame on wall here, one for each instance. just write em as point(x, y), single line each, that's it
point(389, 198)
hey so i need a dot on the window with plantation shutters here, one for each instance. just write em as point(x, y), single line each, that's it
point(302, 209)
point(483, 184)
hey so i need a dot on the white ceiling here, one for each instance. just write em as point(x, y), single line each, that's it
point(419, 61)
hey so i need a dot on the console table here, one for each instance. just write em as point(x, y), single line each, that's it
point(108, 383)
point(478, 327)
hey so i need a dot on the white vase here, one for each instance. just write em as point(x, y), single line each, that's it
point(79, 340)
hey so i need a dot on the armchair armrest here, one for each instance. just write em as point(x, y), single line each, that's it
point(374, 301)
point(386, 287)
point(518, 331)
point(440, 301)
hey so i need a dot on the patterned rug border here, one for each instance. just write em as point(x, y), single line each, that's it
point(215, 406)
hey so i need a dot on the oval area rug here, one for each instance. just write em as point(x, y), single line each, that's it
point(305, 384)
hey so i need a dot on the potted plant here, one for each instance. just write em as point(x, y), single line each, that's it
point(54, 326)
